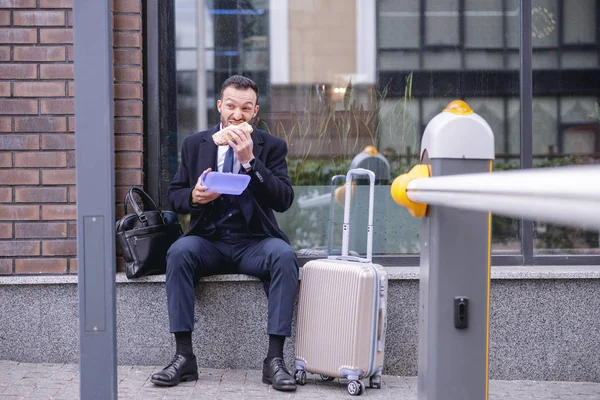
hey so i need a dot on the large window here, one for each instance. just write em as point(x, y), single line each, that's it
point(215, 39)
point(345, 80)
point(565, 118)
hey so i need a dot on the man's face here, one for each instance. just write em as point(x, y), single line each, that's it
point(237, 106)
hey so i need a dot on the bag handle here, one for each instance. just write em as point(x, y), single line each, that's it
point(346, 230)
point(146, 200)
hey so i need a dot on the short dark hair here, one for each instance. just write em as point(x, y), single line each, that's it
point(240, 82)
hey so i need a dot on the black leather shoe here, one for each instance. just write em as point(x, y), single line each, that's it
point(181, 369)
point(275, 373)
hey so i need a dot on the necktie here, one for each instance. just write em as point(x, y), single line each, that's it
point(228, 164)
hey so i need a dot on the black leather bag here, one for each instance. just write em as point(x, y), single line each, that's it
point(145, 237)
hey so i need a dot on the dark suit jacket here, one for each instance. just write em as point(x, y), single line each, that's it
point(270, 187)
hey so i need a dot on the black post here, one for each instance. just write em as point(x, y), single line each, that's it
point(526, 89)
point(160, 98)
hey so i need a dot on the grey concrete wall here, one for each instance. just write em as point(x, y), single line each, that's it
point(545, 322)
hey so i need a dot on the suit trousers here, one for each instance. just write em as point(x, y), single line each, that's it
point(272, 260)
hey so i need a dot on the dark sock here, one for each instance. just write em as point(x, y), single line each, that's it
point(275, 346)
point(183, 341)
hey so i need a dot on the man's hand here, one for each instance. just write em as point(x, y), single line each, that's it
point(201, 194)
point(242, 144)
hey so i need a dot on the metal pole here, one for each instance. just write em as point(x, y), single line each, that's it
point(95, 198)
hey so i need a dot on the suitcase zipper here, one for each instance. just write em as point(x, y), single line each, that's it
point(376, 306)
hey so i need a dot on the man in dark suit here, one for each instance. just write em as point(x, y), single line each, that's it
point(232, 234)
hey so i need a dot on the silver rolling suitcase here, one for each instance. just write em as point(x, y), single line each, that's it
point(342, 307)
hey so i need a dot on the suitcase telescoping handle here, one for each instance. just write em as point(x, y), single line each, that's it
point(346, 227)
point(332, 212)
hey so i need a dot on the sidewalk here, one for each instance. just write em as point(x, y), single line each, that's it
point(61, 381)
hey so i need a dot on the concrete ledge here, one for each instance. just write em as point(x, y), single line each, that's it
point(545, 322)
point(395, 273)
point(119, 278)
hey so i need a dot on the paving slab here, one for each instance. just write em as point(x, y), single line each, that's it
point(26, 381)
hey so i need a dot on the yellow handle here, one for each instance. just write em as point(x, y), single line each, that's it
point(398, 190)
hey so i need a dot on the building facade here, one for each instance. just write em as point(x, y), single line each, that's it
point(37, 125)
point(335, 76)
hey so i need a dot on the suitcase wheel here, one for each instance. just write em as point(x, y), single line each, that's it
point(327, 378)
point(300, 377)
point(356, 388)
point(375, 382)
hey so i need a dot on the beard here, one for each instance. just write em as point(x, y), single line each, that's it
point(225, 123)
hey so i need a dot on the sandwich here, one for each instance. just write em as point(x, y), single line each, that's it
point(220, 138)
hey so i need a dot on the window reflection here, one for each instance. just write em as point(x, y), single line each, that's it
point(565, 129)
point(441, 23)
point(484, 24)
point(337, 76)
point(579, 23)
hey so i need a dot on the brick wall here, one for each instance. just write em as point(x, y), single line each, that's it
point(37, 129)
